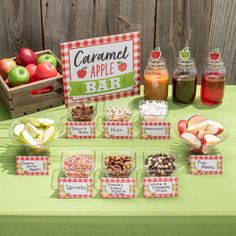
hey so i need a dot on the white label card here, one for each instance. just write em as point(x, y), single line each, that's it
point(118, 130)
point(81, 130)
point(206, 165)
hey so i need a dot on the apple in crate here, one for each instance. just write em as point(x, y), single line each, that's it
point(26, 56)
point(45, 70)
point(47, 57)
point(18, 76)
point(6, 65)
point(31, 68)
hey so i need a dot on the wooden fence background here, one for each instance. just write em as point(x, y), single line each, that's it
point(170, 24)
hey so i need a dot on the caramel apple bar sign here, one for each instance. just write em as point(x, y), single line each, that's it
point(101, 68)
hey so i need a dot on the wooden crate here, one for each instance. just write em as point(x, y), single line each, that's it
point(19, 101)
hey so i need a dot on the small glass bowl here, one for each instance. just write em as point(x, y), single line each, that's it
point(118, 173)
point(81, 171)
point(116, 116)
point(162, 171)
point(41, 149)
point(153, 117)
point(201, 148)
point(83, 118)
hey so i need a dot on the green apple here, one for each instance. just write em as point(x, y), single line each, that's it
point(48, 58)
point(18, 75)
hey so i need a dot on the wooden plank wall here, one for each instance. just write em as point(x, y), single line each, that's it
point(170, 24)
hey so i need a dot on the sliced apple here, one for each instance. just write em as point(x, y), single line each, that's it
point(33, 131)
point(206, 149)
point(195, 119)
point(191, 139)
point(195, 128)
point(181, 126)
point(214, 127)
point(46, 122)
point(201, 134)
point(18, 129)
point(26, 138)
point(49, 134)
point(210, 139)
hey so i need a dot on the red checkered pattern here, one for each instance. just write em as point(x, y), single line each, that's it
point(70, 135)
point(104, 181)
point(145, 124)
point(61, 182)
point(147, 180)
point(193, 158)
point(44, 159)
point(106, 124)
point(65, 47)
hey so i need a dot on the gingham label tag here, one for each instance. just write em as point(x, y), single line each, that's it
point(155, 130)
point(75, 187)
point(117, 130)
point(159, 187)
point(80, 130)
point(32, 165)
point(118, 187)
point(205, 164)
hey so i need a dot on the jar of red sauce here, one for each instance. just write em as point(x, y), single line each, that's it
point(213, 79)
point(156, 77)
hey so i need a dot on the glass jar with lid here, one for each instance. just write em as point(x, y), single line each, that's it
point(184, 81)
point(213, 79)
point(156, 77)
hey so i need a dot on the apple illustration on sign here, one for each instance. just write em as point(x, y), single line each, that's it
point(82, 72)
point(122, 66)
point(215, 54)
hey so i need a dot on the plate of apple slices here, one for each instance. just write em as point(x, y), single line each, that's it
point(200, 133)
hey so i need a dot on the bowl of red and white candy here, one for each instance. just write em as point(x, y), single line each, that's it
point(200, 133)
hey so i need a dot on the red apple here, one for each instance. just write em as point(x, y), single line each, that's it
point(45, 70)
point(6, 65)
point(82, 72)
point(31, 68)
point(181, 126)
point(122, 67)
point(215, 55)
point(155, 54)
point(26, 56)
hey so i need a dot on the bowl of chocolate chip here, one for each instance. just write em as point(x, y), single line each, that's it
point(159, 164)
point(118, 164)
point(82, 112)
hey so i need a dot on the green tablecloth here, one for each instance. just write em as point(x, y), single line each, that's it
point(206, 204)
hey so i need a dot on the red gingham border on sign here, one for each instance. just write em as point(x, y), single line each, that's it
point(117, 180)
point(75, 180)
point(145, 123)
point(117, 123)
point(192, 159)
point(70, 124)
point(65, 47)
point(147, 180)
point(32, 158)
